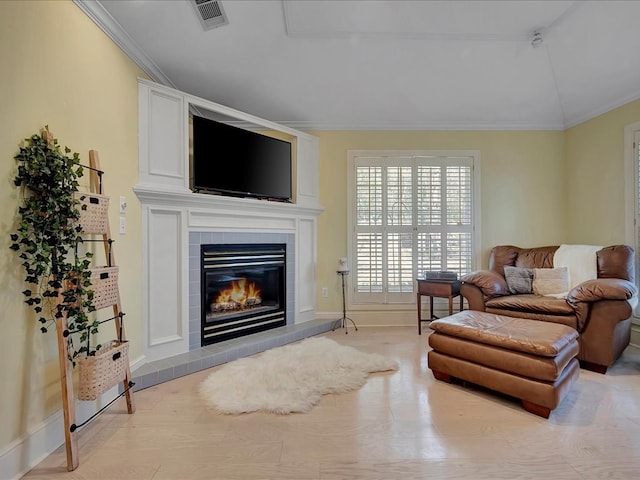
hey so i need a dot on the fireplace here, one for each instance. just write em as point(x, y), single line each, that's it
point(243, 290)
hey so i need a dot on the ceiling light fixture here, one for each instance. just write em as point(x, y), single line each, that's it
point(536, 40)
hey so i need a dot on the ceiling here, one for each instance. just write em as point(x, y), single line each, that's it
point(337, 65)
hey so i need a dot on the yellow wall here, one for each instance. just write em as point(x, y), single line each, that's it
point(522, 185)
point(60, 69)
point(596, 177)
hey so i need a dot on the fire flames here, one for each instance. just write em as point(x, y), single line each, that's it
point(241, 294)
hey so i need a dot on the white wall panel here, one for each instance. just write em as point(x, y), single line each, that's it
point(167, 323)
point(237, 220)
point(163, 146)
point(307, 170)
point(306, 269)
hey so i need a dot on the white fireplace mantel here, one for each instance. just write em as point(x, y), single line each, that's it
point(222, 205)
point(171, 211)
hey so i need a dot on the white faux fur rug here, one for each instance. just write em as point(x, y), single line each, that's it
point(291, 378)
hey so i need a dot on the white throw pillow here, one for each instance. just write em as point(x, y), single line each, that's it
point(551, 281)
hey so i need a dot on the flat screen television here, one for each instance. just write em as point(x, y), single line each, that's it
point(233, 161)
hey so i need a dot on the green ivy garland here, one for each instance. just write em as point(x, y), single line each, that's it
point(48, 237)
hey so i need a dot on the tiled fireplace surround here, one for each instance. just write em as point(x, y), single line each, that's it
point(200, 358)
point(196, 239)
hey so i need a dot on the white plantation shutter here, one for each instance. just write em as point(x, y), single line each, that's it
point(399, 227)
point(368, 238)
point(369, 262)
point(412, 213)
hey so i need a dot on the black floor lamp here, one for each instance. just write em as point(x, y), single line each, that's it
point(343, 271)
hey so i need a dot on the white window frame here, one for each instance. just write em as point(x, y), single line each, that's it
point(476, 255)
point(632, 198)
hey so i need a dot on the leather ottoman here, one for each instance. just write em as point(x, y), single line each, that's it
point(526, 359)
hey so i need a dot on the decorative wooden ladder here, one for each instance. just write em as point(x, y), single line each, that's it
point(66, 367)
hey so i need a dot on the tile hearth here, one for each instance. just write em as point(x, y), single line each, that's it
point(160, 371)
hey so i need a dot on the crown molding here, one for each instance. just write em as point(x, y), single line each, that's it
point(602, 110)
point(103, 19)
point(428, 126)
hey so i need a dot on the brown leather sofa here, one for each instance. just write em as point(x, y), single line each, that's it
point(599, 309)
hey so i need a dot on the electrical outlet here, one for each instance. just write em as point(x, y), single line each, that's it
point(325, 292)
point(123, 205)
point(123, 225)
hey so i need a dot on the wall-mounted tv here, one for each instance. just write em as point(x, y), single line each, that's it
point(233, 161)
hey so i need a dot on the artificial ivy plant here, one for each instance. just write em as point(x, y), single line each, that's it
point(48, 237)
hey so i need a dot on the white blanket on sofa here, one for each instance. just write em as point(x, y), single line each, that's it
point(580, 260)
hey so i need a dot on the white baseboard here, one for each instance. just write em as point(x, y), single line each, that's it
point(22, 455)
point(138, 362)
point(378, 318)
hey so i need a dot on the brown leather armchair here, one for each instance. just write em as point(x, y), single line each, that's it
point(599, 309)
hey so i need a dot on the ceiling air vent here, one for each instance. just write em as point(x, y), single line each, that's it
point(210, 13)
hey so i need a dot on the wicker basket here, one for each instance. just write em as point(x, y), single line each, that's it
point(104, 283)
point(104, 370)
point(94, 219)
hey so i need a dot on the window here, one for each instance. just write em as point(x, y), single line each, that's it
point(412, 211)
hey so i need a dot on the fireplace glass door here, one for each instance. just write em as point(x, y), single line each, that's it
point(243, 290)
